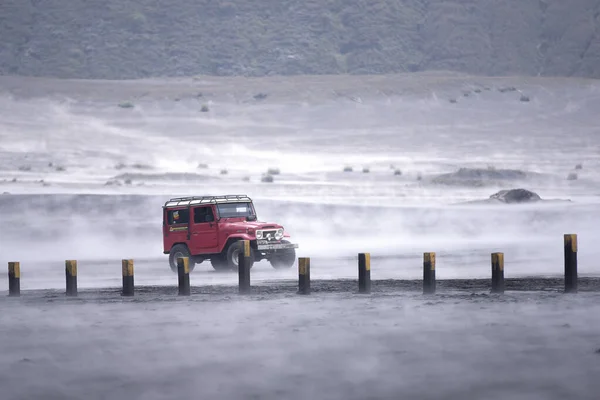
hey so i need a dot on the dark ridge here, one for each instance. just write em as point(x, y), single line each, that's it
point(126, 39)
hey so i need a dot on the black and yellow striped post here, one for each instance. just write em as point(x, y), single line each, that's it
point(497, 272)
point(428, 273)
point(71, 276)
point(128, 287)
point(304, 275)
point(14, 278)
point(244, 267)
point(571, 263)
point(364, 273)
point(183, 272)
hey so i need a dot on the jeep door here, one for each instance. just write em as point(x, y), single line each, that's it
point(203, 230)
point(176, 228)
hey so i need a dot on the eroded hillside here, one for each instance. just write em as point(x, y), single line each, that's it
point(133, 39)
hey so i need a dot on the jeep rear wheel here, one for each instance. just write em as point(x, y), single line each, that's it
point(233, 252)
point(219, 263)
point(283, 258)
point(180, 250)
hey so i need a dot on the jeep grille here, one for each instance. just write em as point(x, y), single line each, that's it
point(269, 234)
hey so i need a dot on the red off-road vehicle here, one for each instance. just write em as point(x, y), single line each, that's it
point(211, 227)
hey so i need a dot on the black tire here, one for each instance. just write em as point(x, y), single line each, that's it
point(219, 263)
point(283, 259)
point(180, 250)
point(233, 253)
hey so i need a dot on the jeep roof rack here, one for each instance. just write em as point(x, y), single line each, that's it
point(188, 201)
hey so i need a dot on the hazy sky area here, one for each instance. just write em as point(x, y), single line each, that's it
point(392, 125)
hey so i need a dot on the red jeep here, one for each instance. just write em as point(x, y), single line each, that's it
point(211, 227)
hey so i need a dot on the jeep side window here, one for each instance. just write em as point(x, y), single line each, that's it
point(203, 214)
point(178, 216)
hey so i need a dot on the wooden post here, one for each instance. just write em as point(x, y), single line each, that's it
point(304, 275)
point(571, 263)
point(14, 279)
point(128, 287)
point(364, 273)
point(428, 273)
point(244, 268)
point(497, 272)
point(183, 272)
point(71, 276)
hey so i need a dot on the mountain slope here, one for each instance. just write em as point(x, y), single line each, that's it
point(121, 39)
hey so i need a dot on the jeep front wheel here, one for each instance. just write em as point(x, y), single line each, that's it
point(180, 250)
point(234, 252)
point(283, 258)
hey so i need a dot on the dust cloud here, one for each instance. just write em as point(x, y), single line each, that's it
point(85, 179)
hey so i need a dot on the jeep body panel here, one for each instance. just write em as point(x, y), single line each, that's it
point(201, 237)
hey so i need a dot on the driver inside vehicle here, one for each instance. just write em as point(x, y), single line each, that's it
point(203, 214)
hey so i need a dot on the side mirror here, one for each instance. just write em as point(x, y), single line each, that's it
point(251, 218)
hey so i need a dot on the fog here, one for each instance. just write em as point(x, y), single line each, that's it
point(331, 214)
point(85, 179)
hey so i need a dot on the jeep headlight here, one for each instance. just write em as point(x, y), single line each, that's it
point(279, 234)
point(259, 234)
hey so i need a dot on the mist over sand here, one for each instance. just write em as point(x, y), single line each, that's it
point(62, 141)
point(85, 179)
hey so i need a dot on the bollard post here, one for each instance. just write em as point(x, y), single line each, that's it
point(71, 276)
point(497, 272)
point(14, 279)
point(428, 273)
point(304, 275)
point(364, 272)
point(128, 287)
point(244, 268)
point(183, 272)
point(571, 263)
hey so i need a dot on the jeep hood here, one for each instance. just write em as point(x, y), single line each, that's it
point(241, 223)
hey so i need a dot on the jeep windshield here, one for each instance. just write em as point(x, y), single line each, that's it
point(235, 210)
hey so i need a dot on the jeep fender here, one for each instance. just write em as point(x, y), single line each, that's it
point(235, 238)
point(175, 244)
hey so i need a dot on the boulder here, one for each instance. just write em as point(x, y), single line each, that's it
point(516, 196)
point(267, 178)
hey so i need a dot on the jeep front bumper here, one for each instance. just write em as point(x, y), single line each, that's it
point(262, 245)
